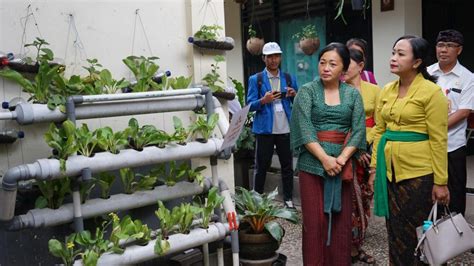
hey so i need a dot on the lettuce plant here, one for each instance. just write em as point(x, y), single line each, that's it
point(128, 229)
point(175, 174)
point(196, 175)
point(180, 82)
point(144, 69)
point(62, 140)
point(128, 177)
point(147, 135)
point(105, 181)
point(110, 141)
point(109, 85)
point(180, 134)
point(204, 127)
point(185, 213)
point(86, 140)
point(206, 209)
point(53, 192)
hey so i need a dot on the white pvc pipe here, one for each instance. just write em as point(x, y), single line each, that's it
point(27, 113)
point(104, 161)
point(37, 218)
point(178, 242)
point(138, 95)
point(7, 115)
point(223, 123)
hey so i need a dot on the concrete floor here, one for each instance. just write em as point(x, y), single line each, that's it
point(376, 238)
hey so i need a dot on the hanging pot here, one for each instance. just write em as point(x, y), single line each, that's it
point(357, 4)
point(255, 45)
point(309, 46)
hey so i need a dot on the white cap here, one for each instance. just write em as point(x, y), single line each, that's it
point(271, 48)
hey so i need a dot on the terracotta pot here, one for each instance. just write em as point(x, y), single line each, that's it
point(257, 246)
point(309, 46)
point(255, 45)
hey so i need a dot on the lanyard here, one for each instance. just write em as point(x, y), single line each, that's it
point(271, 83)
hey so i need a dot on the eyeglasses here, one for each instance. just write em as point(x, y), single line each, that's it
point(449, 45)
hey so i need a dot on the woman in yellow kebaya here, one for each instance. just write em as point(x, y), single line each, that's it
point(410, 145)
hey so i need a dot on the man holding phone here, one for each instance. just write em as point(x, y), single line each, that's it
point(270, 95)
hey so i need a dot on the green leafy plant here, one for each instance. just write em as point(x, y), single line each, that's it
point(62, 140)
point(93, 70)
point(147, 135)
point(259, 211)
point(252, 33)
point(86, 140)
point(175, 174)
point(144, 69)
point(40, 88)
point(204, 127)
point(145, 182)
point(52, 193)
point(128, 177)
point(66, 251)
point(340, 7)
point(212, 79)
point(180, 82)
point(180, 134)
point(161, 245)
point(107, 140)
point(307, 32)
point(196, 175)
point(185, 213)
point(105, 181)
point(128, 229)
point(94, 246)
point(108, 85)
point(206, 207)
point(239, 87)
point(246, 140)
point(41, 53)
point(208, 33)
point(167, 218)
point(85, 190)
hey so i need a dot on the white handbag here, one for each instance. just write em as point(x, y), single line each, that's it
point(445, 239)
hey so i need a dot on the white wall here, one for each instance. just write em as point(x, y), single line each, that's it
point(106, 29)
point(387, 27)
point(234, 29)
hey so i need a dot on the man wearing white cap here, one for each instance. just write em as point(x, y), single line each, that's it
point(270, 95)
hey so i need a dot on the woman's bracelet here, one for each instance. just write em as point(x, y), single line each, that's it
point(371, 171)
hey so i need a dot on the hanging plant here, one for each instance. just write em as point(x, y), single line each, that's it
point(254, 44)
point(308, 39)
point(208, 37)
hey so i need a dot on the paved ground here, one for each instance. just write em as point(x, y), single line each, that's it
point(376, 239)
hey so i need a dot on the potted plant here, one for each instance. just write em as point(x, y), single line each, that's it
point(259, 234)
point(308, 39)
point(208, 37)
point(214, 82)
point(254, 44)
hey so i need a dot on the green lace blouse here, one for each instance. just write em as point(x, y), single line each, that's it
point(311, 114)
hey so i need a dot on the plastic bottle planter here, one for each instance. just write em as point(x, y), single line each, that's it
point(158, 78)
point(224, 44)
point(10, 135)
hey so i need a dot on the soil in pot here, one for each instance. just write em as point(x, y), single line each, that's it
point(255, 45)
point(257, 246)
point(309, 46)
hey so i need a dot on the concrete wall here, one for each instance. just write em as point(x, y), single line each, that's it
point(107, 30)
point(233, 28)
point(387, 27)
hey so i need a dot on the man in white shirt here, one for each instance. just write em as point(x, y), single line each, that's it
point(457, 83)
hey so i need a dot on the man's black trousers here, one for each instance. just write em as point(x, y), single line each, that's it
point(263, 158)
